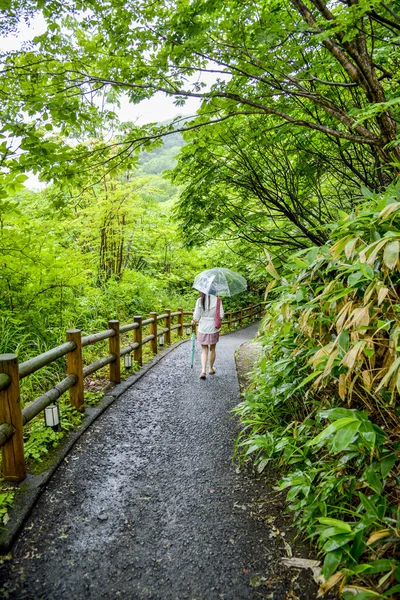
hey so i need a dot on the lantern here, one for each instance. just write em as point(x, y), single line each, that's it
point(188, 330)
point(52, 417)
point(128, 361)
point(161, 340)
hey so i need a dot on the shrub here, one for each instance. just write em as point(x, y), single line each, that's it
point(324, 399)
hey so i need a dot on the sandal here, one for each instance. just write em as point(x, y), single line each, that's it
point(211, 371)
point(202, 375)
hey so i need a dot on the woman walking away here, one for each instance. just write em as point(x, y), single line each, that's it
point(208, 313)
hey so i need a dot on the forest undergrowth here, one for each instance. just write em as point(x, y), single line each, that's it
point(324, 400)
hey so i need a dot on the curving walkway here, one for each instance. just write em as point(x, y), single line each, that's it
point(148, 505)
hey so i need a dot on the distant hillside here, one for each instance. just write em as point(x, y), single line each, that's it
point(162, 159)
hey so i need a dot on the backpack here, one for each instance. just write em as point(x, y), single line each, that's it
point(217, 316)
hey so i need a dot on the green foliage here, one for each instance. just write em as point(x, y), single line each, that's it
point(316, 66)
point(6, 501)
point(39, 438)
point(324, 400)
point(271, 188)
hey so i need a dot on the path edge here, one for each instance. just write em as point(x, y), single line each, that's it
point(30, 490)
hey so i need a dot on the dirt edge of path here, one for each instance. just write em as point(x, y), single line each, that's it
point(246, 357)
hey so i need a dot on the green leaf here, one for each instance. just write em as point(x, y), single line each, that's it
point(354, 278)
point(392, 590)
point(368, 506)
point(337, 542)
point(387, 464)
point(344, 436)
point(331, 563)
point(381, 565)
point(373, 479)
point(312, 255)
point(335, 523)
point(307, 380)
point(331, 429)
point(367, 271)
point(344, 340)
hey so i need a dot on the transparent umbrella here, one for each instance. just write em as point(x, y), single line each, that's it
point(220, 282)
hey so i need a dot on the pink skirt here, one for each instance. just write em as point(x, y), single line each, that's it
point(205, 339)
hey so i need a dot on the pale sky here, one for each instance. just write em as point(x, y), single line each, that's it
point(158, 108)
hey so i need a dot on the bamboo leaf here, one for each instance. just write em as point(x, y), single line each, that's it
point(368, 505)
point(385, 380)
point(383, 292)
point(331, 429)
point(391, 254)
point(342, 386)
point(350, 358)
point(327, 585)
point(344, 436)
point(377, 535)
point(335, 523)
point(388, 210)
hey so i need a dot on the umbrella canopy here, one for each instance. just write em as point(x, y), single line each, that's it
point(220, 282)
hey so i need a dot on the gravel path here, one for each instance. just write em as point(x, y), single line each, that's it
point(149, 505)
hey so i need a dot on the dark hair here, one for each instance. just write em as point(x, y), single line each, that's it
point(203, 297)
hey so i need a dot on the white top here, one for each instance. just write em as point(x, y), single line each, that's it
point(206, 316)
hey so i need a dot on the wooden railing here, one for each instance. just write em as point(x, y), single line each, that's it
point(13, 418)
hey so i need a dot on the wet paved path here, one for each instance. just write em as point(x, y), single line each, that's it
point(149, 505)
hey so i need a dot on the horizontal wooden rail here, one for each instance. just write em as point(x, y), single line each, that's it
point(34, 364)
point(97, 337)
point(129, 349)
point(147, 321)
point(129, 327)
point(12, 418)
point(99, 364)
point(36, 407)
point(6, 433)
point(164, 316)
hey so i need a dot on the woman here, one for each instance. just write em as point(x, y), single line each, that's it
point(207, 334)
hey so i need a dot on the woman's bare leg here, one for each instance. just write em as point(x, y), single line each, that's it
point(212, 357)
point(204, 357)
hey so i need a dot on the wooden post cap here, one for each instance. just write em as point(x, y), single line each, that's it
point(8, 357)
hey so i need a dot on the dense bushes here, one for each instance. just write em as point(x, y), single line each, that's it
point(324, 400)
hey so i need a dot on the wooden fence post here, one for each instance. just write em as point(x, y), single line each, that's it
point(137, 337)
point(251, 312)
point(75, 367)
point(114, 348)
point(153, 331)
point(230, 320)
point(167, 325)
point(180, 321)
point(240, 318)
point(10, 412)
